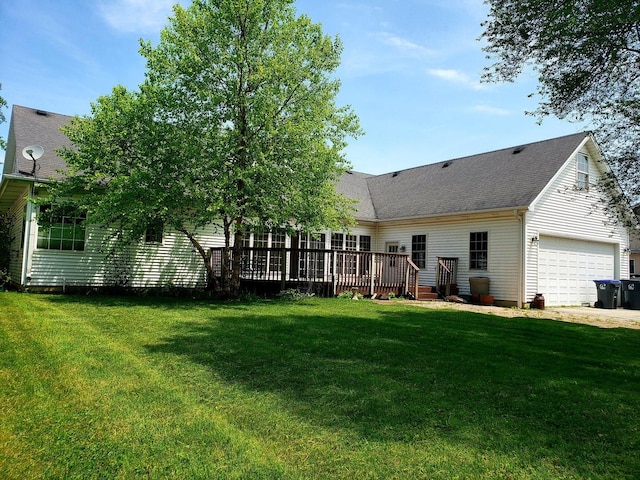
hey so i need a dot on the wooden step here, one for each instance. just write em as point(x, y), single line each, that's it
point(426, 292)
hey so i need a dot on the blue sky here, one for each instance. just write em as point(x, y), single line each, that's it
point(410, 69)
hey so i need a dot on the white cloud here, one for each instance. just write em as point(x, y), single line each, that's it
point(457, 77)
point(405, 46)
point(136, 16)
point(491, 110)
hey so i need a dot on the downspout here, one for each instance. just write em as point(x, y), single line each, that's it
point(522, 254)
point(27, 238)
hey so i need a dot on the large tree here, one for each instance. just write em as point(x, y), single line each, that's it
point(3, 104)
point(586, 55)
point(236, 122)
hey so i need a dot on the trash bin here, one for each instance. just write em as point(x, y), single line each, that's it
point(607, 293)
point(631, 294)
point(479, 285)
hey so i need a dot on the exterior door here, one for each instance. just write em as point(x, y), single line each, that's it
point(390, 263)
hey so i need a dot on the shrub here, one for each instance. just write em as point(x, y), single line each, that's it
point(294, 295)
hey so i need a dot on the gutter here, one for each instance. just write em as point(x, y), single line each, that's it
point(457, 215)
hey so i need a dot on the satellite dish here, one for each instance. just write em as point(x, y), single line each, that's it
point(32, 152)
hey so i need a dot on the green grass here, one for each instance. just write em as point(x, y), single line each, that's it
point(98, 387)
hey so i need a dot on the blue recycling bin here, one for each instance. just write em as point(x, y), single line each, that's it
point(607, 293)
point(631, 294)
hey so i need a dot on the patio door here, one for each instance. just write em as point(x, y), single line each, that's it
point(390, 262)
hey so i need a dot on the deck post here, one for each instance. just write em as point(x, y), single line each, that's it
point(372, 272)
point(283, 269)
point(334, 280)
point(406, 276)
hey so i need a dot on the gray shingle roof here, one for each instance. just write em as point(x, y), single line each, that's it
point(354, 185)
point(488, 181)
point(30, 126)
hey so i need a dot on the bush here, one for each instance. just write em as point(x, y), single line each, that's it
point(347, 294)
point(6, 240)
point(294, 295)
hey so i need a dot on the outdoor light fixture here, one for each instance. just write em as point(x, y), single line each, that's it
point(535, 240)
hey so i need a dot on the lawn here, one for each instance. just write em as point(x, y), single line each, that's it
point(100, 387)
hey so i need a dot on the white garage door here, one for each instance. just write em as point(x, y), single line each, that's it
point(567, 269)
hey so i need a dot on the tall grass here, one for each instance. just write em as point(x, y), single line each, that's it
point(98, 387)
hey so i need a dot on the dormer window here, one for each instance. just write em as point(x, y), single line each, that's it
point(582, 181)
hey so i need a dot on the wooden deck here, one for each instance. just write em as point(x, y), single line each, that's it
point(324, 272)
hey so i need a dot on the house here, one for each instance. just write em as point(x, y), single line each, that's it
point(527, 218)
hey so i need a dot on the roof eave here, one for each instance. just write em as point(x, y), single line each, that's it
point(458, 215)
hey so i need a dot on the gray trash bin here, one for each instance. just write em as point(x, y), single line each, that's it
point(607, 293)
point(631, 294)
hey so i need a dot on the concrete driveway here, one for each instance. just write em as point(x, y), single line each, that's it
point(600, 317)
point(614, 317)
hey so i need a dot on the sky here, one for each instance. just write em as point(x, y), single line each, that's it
point(410, 70)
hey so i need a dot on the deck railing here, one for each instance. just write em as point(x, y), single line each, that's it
point(336, 270)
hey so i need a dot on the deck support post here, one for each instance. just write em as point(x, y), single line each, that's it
point(406, 277)
point(335, 272)
point(372, 274)
point(283, 269)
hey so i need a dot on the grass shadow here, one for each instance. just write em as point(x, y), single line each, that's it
point(540, 389)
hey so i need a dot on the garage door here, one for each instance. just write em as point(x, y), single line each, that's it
point(567, 269)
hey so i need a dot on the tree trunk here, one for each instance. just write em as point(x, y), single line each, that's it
point(226, 257)
point(211, 282)
point(237, 260)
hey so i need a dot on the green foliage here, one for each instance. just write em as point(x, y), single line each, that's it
point(294, 295)
point(6, 241)
point(3, 104)
point(235, 122)
point(114, 387)
point(348, 295)
point(586, 57)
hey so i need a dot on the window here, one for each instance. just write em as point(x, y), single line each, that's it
point(478, 250)
point(350, 242)
point(632, 267)
point(65, 231)
point(419, 250)
point(154, 232)
point(365, 243)
point(582, 182)
point(275, 257)
point(260, 245)
point(312, 263)
point(336, 241)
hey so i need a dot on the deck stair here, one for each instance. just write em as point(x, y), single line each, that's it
point(427, 293)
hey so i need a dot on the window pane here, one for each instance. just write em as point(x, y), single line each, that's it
point(419, 250)
point(478, 250)
point(336, 241)
point(582, 181)
point(65, 233)
point(350, 242)
point(365, 243)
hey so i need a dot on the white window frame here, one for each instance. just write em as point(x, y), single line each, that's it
point(582, 171)
point(478, 261)
point(67, 224)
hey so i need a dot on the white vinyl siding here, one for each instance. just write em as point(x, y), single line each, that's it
point(172, 263)
point(563, 211)
point(451, 239)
